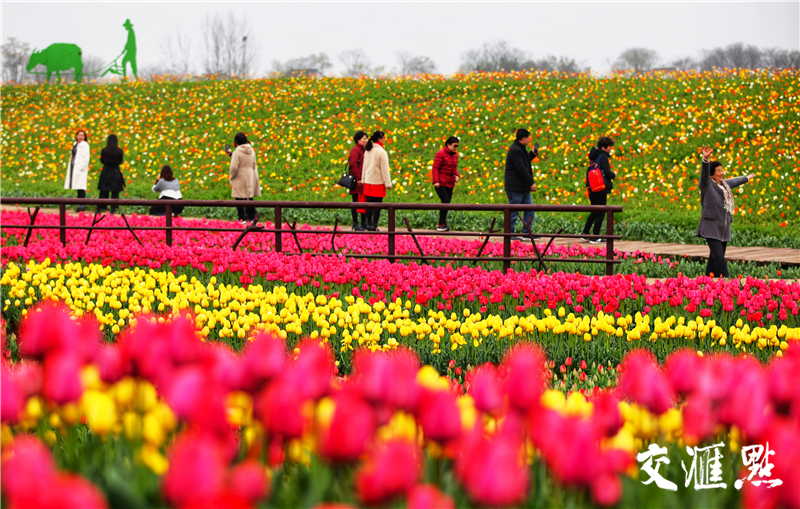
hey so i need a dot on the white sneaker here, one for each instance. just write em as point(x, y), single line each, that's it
point(442, 228)
point(598, 241)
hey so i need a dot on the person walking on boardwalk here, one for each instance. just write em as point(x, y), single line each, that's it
point(601, 155)
point(445, 175)
point(716, 200)
point(519, 178)
point(78, 167)
point(111, 179)
point(243, 177)
point(376, 176)
point(356, 165)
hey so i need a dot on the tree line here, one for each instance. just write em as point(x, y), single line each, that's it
point(229, 49)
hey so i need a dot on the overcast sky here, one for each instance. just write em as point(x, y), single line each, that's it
point(593, 33)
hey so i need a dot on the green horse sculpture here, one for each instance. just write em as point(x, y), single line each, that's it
point(56, 58)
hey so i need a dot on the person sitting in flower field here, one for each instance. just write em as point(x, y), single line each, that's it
point(445, 175)
point(170, 189)
point(716, 200)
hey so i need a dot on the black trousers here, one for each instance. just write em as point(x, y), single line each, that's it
point(81, 193)
point(716, 258)
point(355, 214)
point(595, 218)
point(246, 213)
point(373, 215)
point(114, 196)
point(446, 196)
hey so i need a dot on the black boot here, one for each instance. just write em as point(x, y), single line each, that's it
point(357, 227)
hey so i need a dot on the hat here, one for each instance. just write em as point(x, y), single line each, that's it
point(128, 24)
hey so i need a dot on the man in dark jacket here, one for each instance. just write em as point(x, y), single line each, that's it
point(601, 155)
point(519, 178)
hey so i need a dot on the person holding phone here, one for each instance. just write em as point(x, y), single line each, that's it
point(444, 175)
point(519, 178)
point(602, 156)
point(716, 201)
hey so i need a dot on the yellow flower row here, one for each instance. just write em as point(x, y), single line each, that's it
point(116, 297)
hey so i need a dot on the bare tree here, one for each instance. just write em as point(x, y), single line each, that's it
point(230, 48)
point(410, 64)
point(357, 63)
point(774, 58)
point(177, 53)
point(311, 65)
point(495, 56)
point(15, 59)
point(638, 59)
point(684, 64)
point(560, 64)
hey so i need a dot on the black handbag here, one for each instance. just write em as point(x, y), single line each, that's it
point(347, 180)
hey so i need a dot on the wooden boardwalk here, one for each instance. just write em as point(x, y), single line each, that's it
point(693, 251)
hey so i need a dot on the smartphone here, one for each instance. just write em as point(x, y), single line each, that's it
point(227, 148)
point(535, 147)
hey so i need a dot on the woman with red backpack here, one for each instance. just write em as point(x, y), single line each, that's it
point(598, 191)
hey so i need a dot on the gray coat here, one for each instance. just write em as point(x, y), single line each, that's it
point(715, 221)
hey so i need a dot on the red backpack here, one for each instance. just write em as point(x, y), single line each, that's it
point(594, 177)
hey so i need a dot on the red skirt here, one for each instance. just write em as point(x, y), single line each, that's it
point(361, 198)
point(375, 190)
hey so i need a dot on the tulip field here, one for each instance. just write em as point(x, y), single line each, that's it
point(198, 376)
point(301, 129)
point(138, 375)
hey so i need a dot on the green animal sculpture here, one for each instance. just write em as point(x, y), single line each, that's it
point(56, 58)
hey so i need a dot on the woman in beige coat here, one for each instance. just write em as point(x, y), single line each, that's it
point(375, 174)
point(244, 177)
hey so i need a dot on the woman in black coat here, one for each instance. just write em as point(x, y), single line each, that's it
point(111, 179)
point(716, 200)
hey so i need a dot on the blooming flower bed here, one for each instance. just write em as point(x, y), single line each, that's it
point(160, 417)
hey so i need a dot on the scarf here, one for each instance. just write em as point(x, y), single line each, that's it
point(726, 191)
point(379, 143)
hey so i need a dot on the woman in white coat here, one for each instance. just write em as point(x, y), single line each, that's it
point(78, 167)
point(376, 176)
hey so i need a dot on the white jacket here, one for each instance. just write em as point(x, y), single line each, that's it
point(376, 167)
point(80, 170)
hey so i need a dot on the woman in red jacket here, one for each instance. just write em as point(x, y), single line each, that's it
point(356, 163)
point(445, 175)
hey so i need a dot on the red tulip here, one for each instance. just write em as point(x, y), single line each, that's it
point(196, 470)
point(583, 364)
point(391, 469)
point(525, 385)
point(681, 369)
point(313, 369)
point(11, 397)
point(62, 381)
point(351, 427)
point(248, 480)
point(486, 389)
point(263, 359)
point(426, 496)
point(644, 383)
point(438, 415)
point(110, 363)
point(606, 416)
point(388, 377)
point(28, 469)
point(606, 489)
point(281, 409)
point(493, 472)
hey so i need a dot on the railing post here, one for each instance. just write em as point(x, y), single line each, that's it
point(390, 227)
point(278, 236)
point(62, 222)
point(506, 239)
point(610, 244)
point(168, 215)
